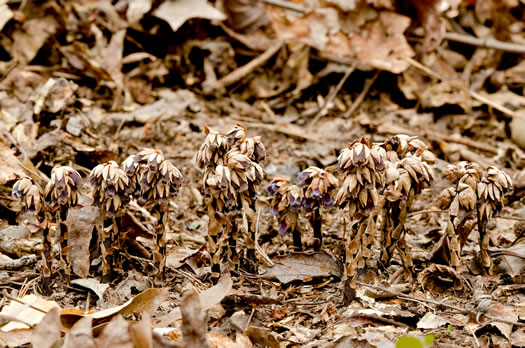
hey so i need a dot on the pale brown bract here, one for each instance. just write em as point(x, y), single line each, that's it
point(111, 187)
point(363, 170)
point(213, 149)
point(30, 194)
point(61, 190)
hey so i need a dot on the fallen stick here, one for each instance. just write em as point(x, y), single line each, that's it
point(486, 43)
point(246, 69)
point(438, 303)
point(288, 5)
point(331, 96)
point(473, 94)
point(18, 263)
point(362, 95)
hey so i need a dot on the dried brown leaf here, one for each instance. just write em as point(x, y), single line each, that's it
point(81, 222)
point(47, 333)
point(115, 335)
point(193, 321)
point(80, 335)
point(245, 16)
point(178, 12)
point(303, 266)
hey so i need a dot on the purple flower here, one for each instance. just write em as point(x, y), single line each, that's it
point(272, 189)
point(303, 178)
point(316, 194)
point(308, 204)
point(328, 201)
point(294, 202)
point(283, 229)
point(274, 211)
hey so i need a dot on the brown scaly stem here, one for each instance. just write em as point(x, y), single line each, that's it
point(63, 234)
point(316, 221)
point(356, 250)
point(233, 235)
point(47, 258)
point(296, 236)
point(31, 196)
point(250, 264)
point(484, 239)
point(109, 245)
point(394, 235)
point(159, 254)
point(214, 248)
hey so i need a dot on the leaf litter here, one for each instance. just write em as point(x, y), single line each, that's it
point(91, 82)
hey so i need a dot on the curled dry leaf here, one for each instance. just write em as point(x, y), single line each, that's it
point(115, 335)
point(11, 166)
point(215, 294)
point(245, 16)
point(303, 267)
point(146, 301)
point(176, 13)
point(80, 335)
point(429, 278)
point(193, 321)
point(81, 220)
point(47, 333)
point(375, 38)
point(25, 313)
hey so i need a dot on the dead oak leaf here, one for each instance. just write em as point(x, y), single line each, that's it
point(11, 166)
point(176, 13)
point(28, 40)
point(375, 38)
point(303, 266)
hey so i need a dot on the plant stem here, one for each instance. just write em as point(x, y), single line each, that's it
point(214, 226)
point(159, 255)
point(317, 222)
point(63, 233)
point(47, 256)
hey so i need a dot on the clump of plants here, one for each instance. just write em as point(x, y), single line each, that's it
point(153, 181)
point(286, 202)
point(231, 178)
point(473, 199)
point(407, 174)
point(363, 175)
point(32, 199)
point(111, 190)
point(319, 187)
point(61, 194)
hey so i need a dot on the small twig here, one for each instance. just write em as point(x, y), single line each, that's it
point(287, 5)
point(438, 303)
point(515, 218)
point(257, 246)
point(362, 95)
point(473, 94)
point(246, 69)
point(331, 96)
point(419, 212)
point(486, 43)
point(249, 319)
point(190, 277)
point(88, 300)
point(9, 297)
point(438, 211)
point(18, 263)
point(476, 343)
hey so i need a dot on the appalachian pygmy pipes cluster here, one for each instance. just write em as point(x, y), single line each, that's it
point(473, 198)
point(377, 182)
point(147, 177)
point(231, 179)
